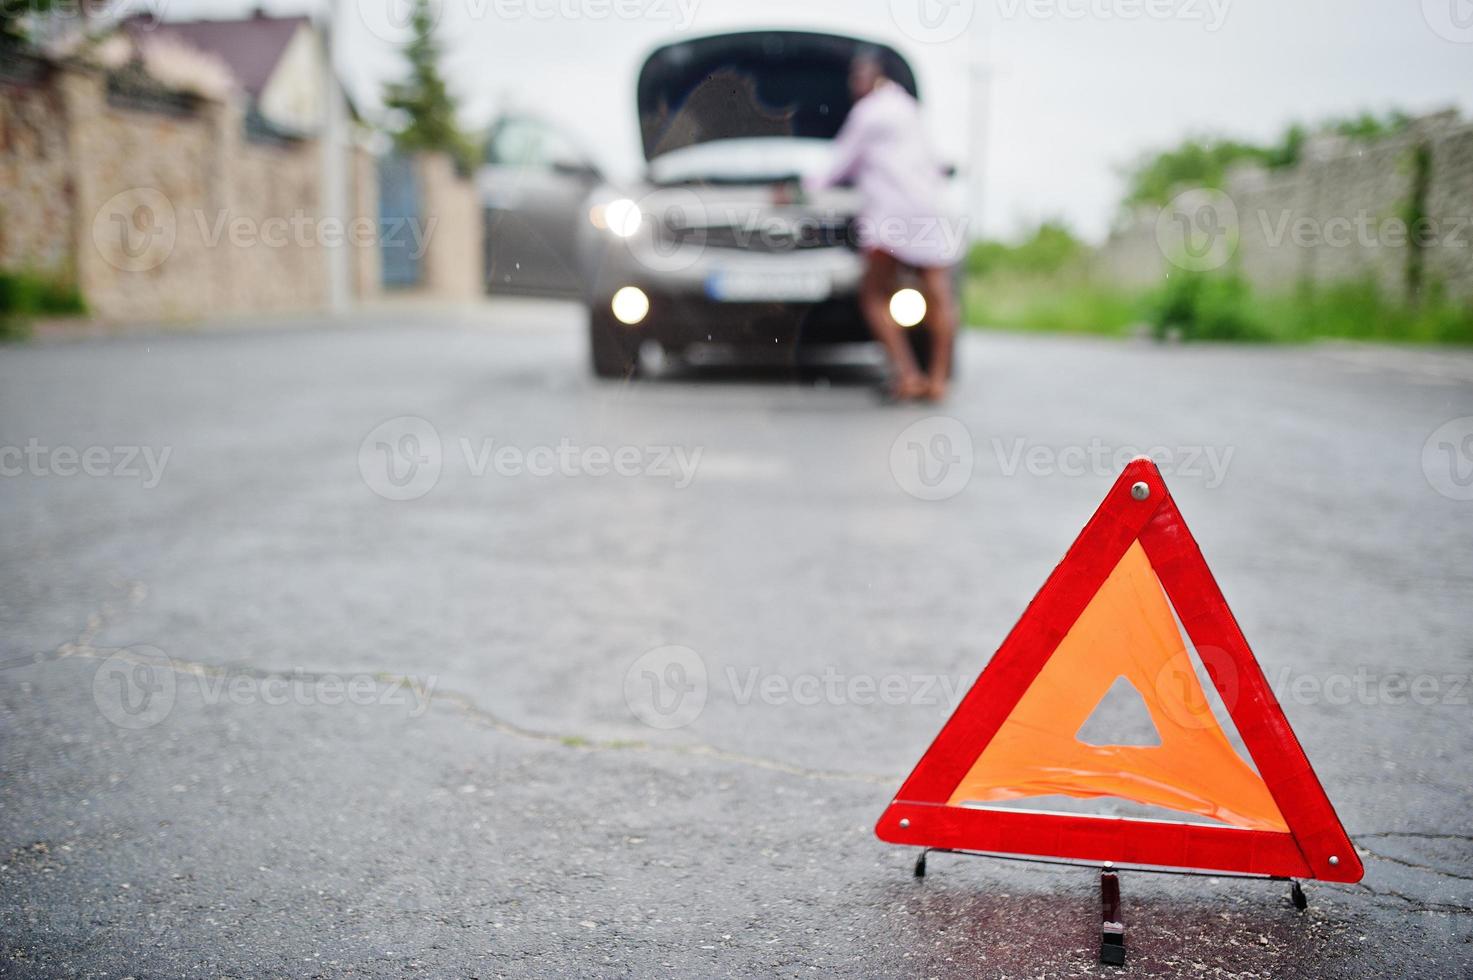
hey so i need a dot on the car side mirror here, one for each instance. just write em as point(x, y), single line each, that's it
point(586, 172)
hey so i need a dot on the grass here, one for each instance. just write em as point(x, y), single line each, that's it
point(1046, 305)
point(24, 295)
point(1223, 307)
point(1358, 311)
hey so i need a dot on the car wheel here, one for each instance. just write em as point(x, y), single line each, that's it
point(613, 355)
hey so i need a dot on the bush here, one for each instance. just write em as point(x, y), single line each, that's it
point(25, 295)
point(1198, 306)
point(1051, 249)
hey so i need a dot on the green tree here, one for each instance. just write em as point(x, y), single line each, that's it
point(424, 100)
point(1204, 161)
point(1195, 163)
point(1368, 126)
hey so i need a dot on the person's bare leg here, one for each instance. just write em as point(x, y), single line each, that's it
point(874, 302)
point(942, 322)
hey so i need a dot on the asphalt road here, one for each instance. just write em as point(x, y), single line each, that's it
point(405, 648)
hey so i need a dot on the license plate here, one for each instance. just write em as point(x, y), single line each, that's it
point(768, 287)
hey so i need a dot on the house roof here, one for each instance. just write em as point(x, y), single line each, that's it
point(251, 47)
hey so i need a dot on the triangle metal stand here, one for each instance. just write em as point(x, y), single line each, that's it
point(1112, 920)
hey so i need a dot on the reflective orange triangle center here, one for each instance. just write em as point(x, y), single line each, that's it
point(1127, 630)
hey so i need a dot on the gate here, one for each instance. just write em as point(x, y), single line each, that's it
point(399, 213)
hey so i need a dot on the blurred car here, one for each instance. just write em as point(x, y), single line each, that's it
point(533, 186)
point(697, 260)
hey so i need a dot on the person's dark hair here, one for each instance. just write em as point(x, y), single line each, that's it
point(871, 56)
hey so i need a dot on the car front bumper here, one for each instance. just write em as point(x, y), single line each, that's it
point(805, 297)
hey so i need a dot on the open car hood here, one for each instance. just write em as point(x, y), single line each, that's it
point(752, 84)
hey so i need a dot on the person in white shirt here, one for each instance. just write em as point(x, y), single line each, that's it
point(883, 150)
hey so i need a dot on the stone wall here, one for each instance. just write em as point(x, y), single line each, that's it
point(1270, 257)
point(36, 204)
point(1341, 214)
point(275, 202)
point(453, 266)
point(1450, 201)
point(139, 180)
point(159, 214)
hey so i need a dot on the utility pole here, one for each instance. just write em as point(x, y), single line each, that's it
point(335, 140)
point(979, 118)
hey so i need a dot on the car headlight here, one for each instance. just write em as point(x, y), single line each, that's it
point(620, 217)
point(908, 307)
point(630, 305)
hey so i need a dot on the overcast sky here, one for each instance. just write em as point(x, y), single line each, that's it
point(1046, 99)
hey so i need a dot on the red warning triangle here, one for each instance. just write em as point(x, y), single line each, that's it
point(1110, 611)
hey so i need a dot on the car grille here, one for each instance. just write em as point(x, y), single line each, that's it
point(762, 236)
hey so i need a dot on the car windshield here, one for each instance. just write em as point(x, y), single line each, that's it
point(741, 161)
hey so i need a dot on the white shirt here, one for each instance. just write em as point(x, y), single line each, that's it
point(882, 148)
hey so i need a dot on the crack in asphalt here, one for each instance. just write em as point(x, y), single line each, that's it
point(1418, 834)
point(1417, 904)
point(83, 646)
point(1405, 862)
point(136, 592)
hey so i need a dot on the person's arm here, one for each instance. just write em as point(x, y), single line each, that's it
point(848, 149)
